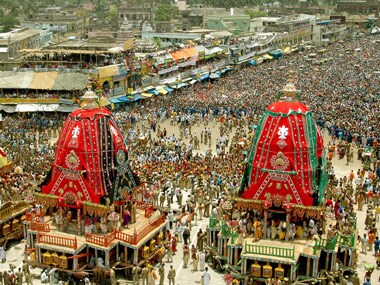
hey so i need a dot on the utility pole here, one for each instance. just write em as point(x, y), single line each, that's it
point(9, 47)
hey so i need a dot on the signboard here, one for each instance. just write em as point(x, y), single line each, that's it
point(108, 71)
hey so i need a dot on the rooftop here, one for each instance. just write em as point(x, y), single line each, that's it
point(17, 35)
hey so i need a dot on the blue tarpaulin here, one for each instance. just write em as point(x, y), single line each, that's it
point(204, 76)
point(115, 100)
point(252, 62)
point(276, 53)
point(169, 89)
point(138, 97)
point(154, 91)
point(123, 99)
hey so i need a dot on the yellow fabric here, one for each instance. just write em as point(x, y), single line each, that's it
point(162, 91)
point(267, 56)
point(3, 161)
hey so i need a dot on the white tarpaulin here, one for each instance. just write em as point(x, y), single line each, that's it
point(37, 107)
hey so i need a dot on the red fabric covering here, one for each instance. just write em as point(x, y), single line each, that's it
point(281, 161)
point(287, 107)
point(82, 170)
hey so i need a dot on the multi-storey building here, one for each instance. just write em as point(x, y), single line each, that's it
point(359, 7)
point(13, 42)
point(64, 22)
point(140, 16)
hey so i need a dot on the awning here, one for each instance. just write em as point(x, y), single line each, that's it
point(115, 100)
point(148, 88)
point(276, 53)
point(37, 107)
point(8, 108)
point(168, 89)
point(153, 91)
point(193, 81)
point(148, 95)
point(214, 76)
point(204, 76)
point(226, 69)
point(184, 53)
point(139, 97)
point(259, 60)
point(179, 85)
point(287, 50)
point(51, 80)
point(267, 56)
point(123, 99)
point(161, 90)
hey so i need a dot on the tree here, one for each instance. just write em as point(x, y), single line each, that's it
point(113, 15)
point(100, 7)
point(166, 12)
point(8, 22)
point(29, 7)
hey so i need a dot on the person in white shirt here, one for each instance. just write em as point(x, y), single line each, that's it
point(44, 277)
point(206, 277)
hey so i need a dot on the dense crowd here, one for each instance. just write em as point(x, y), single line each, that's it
point(343, 92)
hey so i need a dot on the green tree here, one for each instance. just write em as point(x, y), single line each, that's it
point(29, 7)
point(100, 8)
point(8, 22)
point(113, 15)
point(166, 12)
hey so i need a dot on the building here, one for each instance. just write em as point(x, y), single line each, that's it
point(140, 16)
point(64, 22)
point(12, 43)
point(233, 24)
point(191, 20)
point(260, 24)
point(298, 27)
point(328, 31)
point(359, 7)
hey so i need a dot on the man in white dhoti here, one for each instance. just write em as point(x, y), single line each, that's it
point(202, 261)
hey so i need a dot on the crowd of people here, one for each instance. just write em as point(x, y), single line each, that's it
point(344, 95)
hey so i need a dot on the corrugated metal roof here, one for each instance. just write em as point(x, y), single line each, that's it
point(43, 80)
